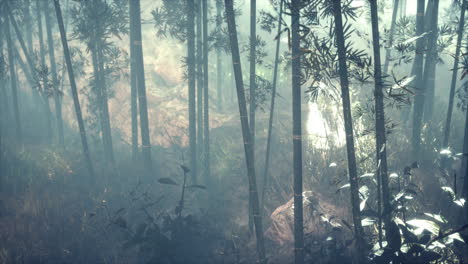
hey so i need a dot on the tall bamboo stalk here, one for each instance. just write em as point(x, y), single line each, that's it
point(74, 91)
point(45, 93)
point(14, 88)
point(418, 72)
point(142, 100)
point(206, 116)
point(348, 124)
point(272, 105)
point(297, 132)
point(191, 86)
point(453, 83)
point(55, 81)
point(388, 53)
point(236, 62)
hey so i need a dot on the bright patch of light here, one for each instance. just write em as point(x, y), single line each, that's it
point(324, 132)
point(332, 165)
point(445, 152)
point(393, 175)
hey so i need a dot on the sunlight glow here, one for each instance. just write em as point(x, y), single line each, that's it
point(324, 133)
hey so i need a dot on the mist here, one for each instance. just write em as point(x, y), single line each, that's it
point(222, 131)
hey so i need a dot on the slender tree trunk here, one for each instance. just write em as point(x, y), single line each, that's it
point(388, 53)
point(71, 78)
point(219, 67)
point(4, 107)
point(133, 83)
point(97, 91)
point(200, 84)
point(191, 85)
point(3, 110)
point(465, 163)
point(206, 117)
point(253, 38)
point(431, 63)
point(30, 69)
point(107, 131)
point(418, 72)
point(26, 72)
point(245, 127)
point(348, 123)
point(453, 83)
point(144, 126)
point(14, 89)
point(45, 92)
point(380, 131)
point(28, 25)
point(53, 71)
point(297, 132)
point(272, 105)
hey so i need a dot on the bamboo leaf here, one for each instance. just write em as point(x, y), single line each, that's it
point(450, 191)
point(203, 187)
point(168, 181)
point(437, 217)
point(422, 225)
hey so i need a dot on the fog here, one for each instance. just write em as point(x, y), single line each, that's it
point(222, 131)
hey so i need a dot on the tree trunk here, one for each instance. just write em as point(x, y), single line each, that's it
point(133, 83)
point(4, 107)
point(35, 84)
point(245, 127)
point(14, 89)
point(191, 86)
point(453, 83)
point(140, 69)
point(253, 38)
point(348, 123)
point(55, 81)
point(388, 53)
point(297, 133)
point(206, 117)
point(45, 92)
point(431, 63)
point(98, 94)
point(219, 67)
point(272, 106)
point(200, 135)
point(418, 72)
point(28, 25)
point(71, 78)
point(380, 131)
point(465, 159)
point(107, 131)
point(465, 163)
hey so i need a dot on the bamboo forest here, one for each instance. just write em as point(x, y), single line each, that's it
point(233, 131)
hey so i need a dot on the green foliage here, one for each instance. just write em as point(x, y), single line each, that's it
point(99, 20)
point(170, 20)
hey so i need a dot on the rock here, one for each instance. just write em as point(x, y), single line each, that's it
point(325, 236)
